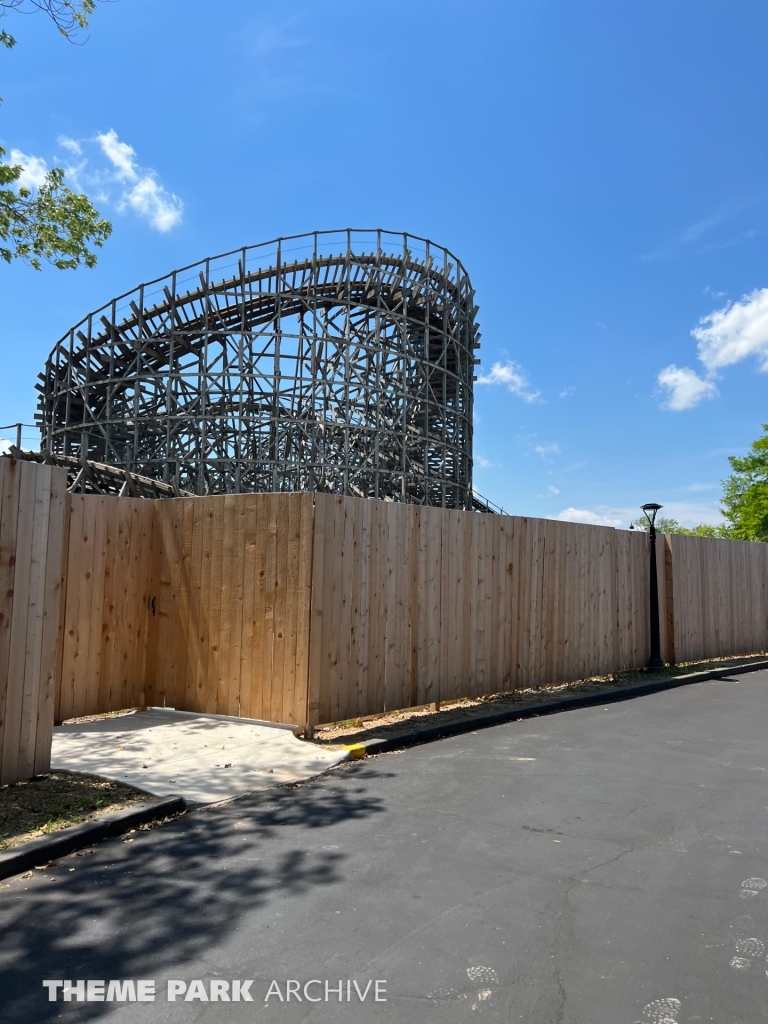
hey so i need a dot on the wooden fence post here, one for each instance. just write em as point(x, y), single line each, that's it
point(314, 659)
point(669, 601)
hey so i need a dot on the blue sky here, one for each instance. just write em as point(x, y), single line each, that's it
point(598, 166)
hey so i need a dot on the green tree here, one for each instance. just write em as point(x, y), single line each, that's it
point(67, 15)
point(56, 225)
point(745, 492)
point(665, 525)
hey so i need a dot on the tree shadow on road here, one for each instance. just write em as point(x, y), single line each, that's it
point(142, 909)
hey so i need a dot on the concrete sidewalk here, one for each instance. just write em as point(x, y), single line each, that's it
point(202, 758)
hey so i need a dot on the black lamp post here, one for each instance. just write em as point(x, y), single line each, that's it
point(655, 660)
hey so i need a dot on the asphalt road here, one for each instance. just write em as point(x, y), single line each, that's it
point(602, 866)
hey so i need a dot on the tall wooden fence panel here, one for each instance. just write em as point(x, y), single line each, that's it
point(106, 605)
point(720, 597)
point(230, 620)
point(33, 506)
point(300, 607)
point(412, 605)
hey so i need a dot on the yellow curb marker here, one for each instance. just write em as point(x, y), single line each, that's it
point(356, 751)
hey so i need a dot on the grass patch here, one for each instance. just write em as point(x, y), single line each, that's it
point(51, 802)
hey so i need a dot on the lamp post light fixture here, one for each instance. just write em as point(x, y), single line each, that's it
point(655, 660)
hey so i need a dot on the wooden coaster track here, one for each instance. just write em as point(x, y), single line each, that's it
point(335, 361)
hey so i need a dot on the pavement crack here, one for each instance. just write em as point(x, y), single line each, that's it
point(605, 863)
point(560, 1000)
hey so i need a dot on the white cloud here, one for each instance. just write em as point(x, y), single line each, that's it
point(604, 517)
point(120, 154)
point(694, 488)
point(122, 184)
point(735, 332)
point(725, 337)
point(145, 196)
point(692, 513)
point(553, 490)
point(568, 391)
point(688, 514)
point(151, 201)
point(684, 388)
point(33, 172)
point(511, 375)
point(546, 450)
point(714, 232)
point(482, 463)
point(74, 147)
point(266, 39)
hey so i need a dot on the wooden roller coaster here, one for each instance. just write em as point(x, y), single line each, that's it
point(336, 361)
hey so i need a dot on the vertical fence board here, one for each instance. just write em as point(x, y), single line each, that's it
point(315, 689)
point(35, 618)
point(10, 480)
point(58, 523)
point(98, 566)
point(33, 513)
point(374, 610)
point(23, 590)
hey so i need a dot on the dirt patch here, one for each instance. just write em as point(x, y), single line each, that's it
point(99, 718)
point(51, 802)
point(359, 730)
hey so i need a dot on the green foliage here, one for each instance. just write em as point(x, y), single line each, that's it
point(56, 225)
point(664, 525)
point(705, 530)
point(744, 501)
point(69, 16)
point(745, 492)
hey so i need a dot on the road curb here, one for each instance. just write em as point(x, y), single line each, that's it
point(430, 733)
point(357, 750)
point(59, 844)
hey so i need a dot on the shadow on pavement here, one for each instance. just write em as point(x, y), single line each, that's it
point(142, 909)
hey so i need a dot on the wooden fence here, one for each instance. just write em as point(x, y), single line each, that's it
point(307, 608)
point(231, 593)
point(107, 605)
point(412, 605)
point(717, 597)
point(304, 608)
point(32, 518)
point(201, 604)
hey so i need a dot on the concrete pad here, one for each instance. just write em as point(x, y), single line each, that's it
point(203, 758)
